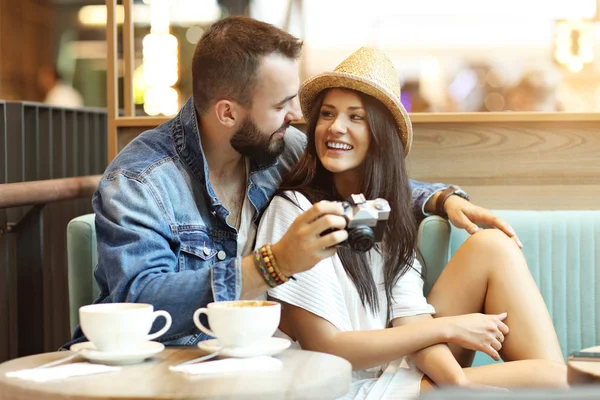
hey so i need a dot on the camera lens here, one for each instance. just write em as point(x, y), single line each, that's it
point(361, 238)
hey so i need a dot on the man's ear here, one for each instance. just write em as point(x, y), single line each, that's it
point(228, 113)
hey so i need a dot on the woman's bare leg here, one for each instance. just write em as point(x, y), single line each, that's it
point(489, 274)
point(427, 384)
point(514, 374)
point(525, 373)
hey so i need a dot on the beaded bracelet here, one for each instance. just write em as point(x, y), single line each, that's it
point(272, 261)
point(269, 259)
point(276, 266)
point(269, 264)
point(262, 268)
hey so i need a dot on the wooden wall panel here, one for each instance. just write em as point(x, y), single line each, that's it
point(513, 165)
point(26, 44)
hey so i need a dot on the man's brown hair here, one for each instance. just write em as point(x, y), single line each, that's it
point(228, 55)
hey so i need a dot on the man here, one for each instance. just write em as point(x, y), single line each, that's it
point(177, 209)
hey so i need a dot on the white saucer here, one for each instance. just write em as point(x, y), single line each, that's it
point(133, 356)
point(271, 347)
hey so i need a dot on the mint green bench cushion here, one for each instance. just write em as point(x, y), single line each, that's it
point(562, 249)
point(433, 240)
point(82, 259)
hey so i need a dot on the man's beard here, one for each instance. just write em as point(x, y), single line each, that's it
point(255, 144)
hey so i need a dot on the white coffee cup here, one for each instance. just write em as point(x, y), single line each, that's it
point(120, 326)
point(240, 323)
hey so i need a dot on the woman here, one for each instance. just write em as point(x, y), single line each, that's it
point(369, 307)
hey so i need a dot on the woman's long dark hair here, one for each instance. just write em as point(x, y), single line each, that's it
point(385, 176)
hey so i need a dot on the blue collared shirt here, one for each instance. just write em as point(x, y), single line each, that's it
point(162, 233)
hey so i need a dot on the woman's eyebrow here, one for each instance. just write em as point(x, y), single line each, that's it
point(349, 108)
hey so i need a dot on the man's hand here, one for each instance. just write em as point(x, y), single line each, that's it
point(466, 215)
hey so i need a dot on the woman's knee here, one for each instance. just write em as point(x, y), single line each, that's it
point(493, 237)
point(490, 248)
point(492, 242)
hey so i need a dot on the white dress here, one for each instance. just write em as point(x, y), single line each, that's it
point(327, 291)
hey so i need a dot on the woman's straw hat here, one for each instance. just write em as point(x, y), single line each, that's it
point(368, 71)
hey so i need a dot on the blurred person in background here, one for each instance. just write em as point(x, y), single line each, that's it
point(57, 92)
point(535, 91)
point(413, 100)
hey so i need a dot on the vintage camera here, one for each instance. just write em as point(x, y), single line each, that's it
point(366, 221)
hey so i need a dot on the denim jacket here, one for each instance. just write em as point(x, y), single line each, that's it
point(162, 233)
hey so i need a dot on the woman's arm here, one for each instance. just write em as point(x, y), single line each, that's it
point(437, 361)
point(364, 349)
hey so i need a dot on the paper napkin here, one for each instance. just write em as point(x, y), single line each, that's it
point(261, 363)
point(61, 371)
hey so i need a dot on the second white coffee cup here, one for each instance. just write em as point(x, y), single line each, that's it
point(240, 323)
point(120, 326)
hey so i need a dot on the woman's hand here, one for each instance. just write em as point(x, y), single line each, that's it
point(302, 247)
point(481, 332)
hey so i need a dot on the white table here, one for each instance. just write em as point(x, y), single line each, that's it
point(305, 374)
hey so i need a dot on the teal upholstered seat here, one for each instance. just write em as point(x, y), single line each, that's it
point(82, 259)
point(562, 249)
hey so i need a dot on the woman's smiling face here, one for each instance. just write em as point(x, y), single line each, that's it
point(342, 134)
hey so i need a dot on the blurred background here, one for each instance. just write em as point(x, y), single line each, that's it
point(452, 55)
